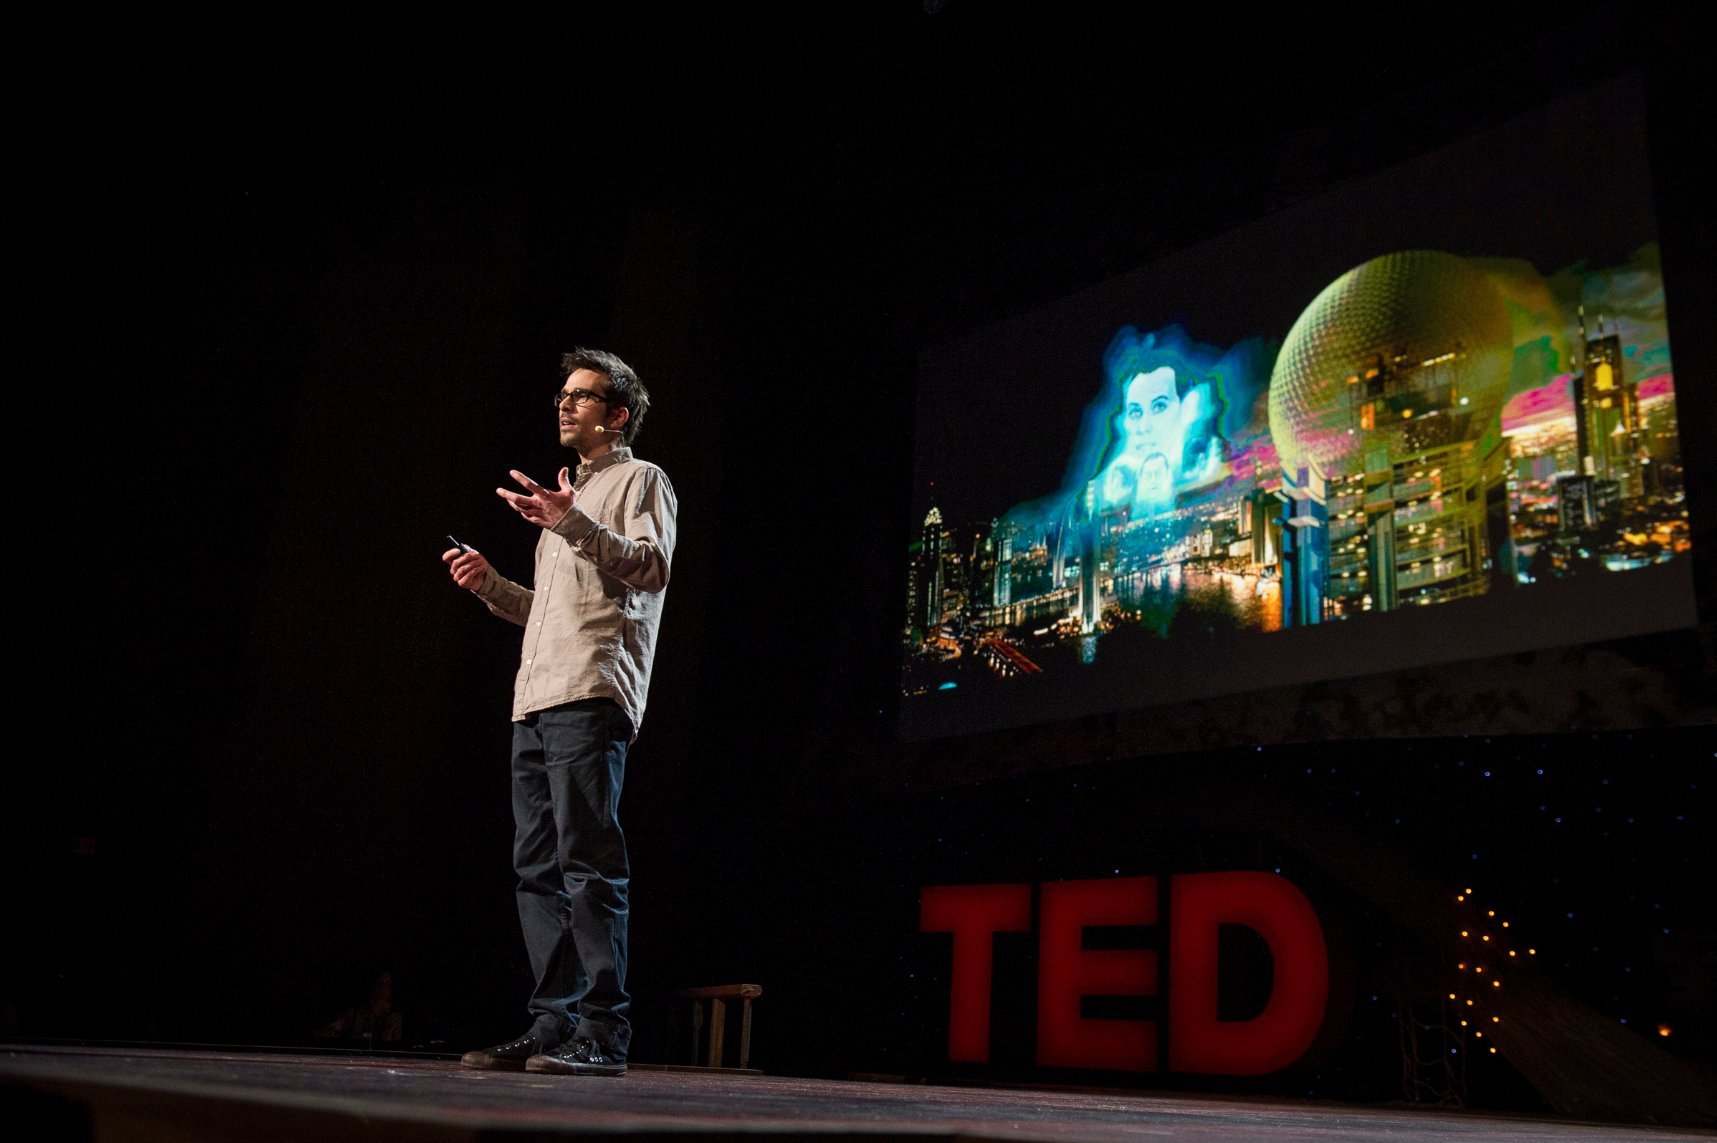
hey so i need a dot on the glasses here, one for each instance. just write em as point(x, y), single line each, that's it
point(578, 397)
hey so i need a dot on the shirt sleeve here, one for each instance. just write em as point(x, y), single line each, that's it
point(638, 552)
point(505, 598)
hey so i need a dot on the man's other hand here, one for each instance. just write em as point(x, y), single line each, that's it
point(469, 568)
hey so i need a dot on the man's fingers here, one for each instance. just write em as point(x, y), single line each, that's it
point(537, 506)
point(469, 569)
point(524, 480)
point(523, 505)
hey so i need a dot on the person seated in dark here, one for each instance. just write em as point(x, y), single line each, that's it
point(372, 1019)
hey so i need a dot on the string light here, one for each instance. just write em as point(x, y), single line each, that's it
point(1495, 979)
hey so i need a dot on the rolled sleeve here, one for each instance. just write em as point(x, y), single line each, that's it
point(505, 598)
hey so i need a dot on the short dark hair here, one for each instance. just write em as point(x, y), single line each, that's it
point(625, 391)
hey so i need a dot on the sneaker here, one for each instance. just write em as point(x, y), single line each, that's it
point(510, 1057)
point(582, 1057)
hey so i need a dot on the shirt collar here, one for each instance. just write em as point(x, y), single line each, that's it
point(613, 456)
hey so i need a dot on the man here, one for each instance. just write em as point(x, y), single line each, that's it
point(590, 635)
point(1143, 477)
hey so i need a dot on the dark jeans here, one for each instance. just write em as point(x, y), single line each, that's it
point(569, 853)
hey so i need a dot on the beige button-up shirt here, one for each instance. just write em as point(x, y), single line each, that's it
point(601, 572)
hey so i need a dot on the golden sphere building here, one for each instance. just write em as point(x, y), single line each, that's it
point(1385, 406)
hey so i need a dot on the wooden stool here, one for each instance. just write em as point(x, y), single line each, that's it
point(717, 996)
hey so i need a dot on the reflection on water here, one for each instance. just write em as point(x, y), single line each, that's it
point(1088, 649)
point(1156, 594)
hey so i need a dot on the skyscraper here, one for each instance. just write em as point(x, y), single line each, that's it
point(1607, 421)
point(927, 576)
point(1002, 555)
point(1088, 525)
point(1305, 545)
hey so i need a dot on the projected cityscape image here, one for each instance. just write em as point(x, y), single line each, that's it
point(1433, 428)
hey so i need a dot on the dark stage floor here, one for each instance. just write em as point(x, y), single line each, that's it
point(154, 1095)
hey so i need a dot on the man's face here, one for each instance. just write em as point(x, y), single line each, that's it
point(580, 415)
point(1150, 416)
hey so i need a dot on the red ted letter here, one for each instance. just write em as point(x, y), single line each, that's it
point(1199, 904)
point(974, 914)
point(1067, 971)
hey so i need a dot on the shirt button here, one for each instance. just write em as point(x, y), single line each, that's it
point(527, 662)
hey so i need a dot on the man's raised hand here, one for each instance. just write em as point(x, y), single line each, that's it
point(543, 507)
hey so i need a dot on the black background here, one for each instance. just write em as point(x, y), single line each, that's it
point(293, 289)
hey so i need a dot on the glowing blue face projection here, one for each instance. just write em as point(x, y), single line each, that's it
point(1166, 437)
point(1142, 478)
